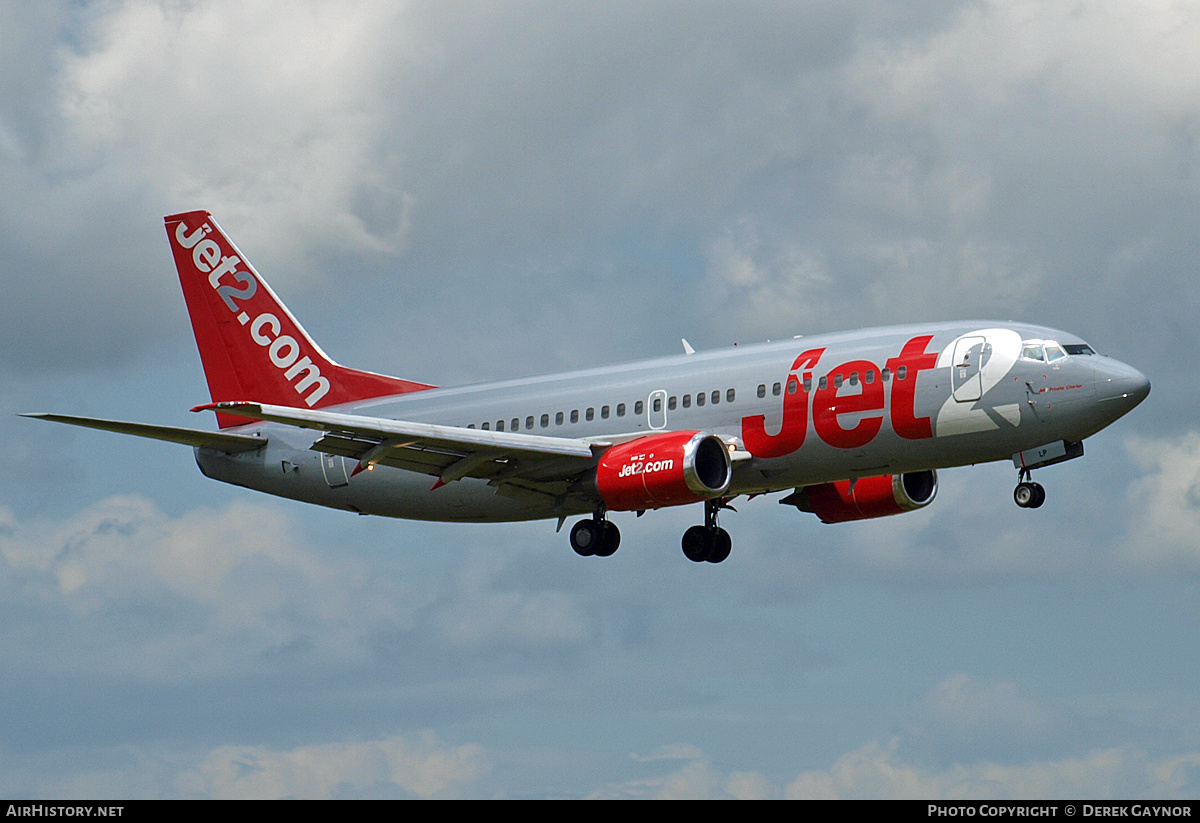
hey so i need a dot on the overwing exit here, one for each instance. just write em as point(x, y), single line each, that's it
point(851, 425)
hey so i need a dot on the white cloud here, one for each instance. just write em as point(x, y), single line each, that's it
point(269, 115)
point(996, 735)
point(1164, 505)
point(175, 597)
point(416, 765)
point(876, 771)
point(695, 778)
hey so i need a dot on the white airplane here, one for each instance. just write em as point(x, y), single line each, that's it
point(853, 425)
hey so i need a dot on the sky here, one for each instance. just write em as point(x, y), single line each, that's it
point(458, 191)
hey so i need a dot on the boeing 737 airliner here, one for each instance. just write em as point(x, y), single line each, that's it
point(851, 425)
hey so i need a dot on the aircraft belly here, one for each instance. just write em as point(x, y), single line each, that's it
point(308, 476)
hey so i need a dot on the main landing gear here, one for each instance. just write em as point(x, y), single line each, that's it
point(1027, 494)
point(709, 542)
point(597, 537)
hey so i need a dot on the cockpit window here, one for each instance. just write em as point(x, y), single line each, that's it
point(1078, 348)
point(1032, 351)
point(1047, 350)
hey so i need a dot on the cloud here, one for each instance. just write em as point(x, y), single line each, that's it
point(415, 765)
point(179, 597)
point(973, 738)
point(1164, 505)
point(875, 771)
point(483, 613)
point(695, 778)
point(962, 716)
point(279, 127)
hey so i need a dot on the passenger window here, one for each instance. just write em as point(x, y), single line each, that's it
point(470, 425)
point(671, 403)
point(762, 390)
point(687, 401)
point(604, 412)
point(620, 410)
point(869, 377)
point(499, 425)
point(901, 372)
point(529, 422)
point(837, 381)
point(590, 414)
point(792, 385)
point(807, 384)
point(853, 378)
point(516, 424)
point(776, 390)
point(638, 407)
point(574, 415)
point(716, 396)
point(886, 374)
point(729, 395)
point(486, 427)
point(699, 398)
point(558, 418)
point(657, 404)
point(545, 421)
point(823, 382)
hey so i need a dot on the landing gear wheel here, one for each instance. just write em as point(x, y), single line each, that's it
point(695, 544)
point(709, 542)
point(1029, 495)
point(720, 545)
point(595, 537)
point(610, 539)
point(586, 537)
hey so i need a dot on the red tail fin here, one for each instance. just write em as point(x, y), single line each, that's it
point(251, 346)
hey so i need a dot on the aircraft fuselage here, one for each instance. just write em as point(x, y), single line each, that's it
point(798, 412)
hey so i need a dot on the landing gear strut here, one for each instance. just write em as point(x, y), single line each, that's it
point(709, 542)
point(1027, 494)
point(597, 536)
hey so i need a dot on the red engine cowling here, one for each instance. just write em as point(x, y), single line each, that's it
point(868, 496)
point(666, 469)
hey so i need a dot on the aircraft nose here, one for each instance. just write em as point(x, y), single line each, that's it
point(1120, 385)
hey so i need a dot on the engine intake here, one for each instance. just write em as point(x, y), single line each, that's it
point(866, 497)
point(666, 469)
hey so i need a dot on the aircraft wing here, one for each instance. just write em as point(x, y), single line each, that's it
point(531, 462)
point(228, 443)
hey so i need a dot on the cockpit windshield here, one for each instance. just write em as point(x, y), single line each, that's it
point(1047, 351)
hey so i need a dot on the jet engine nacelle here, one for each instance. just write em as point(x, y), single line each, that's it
point(666, 469)
point(867, 497)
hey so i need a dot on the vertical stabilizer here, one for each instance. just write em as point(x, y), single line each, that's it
point(251, 346)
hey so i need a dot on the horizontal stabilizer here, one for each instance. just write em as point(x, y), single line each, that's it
point(229, 443)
